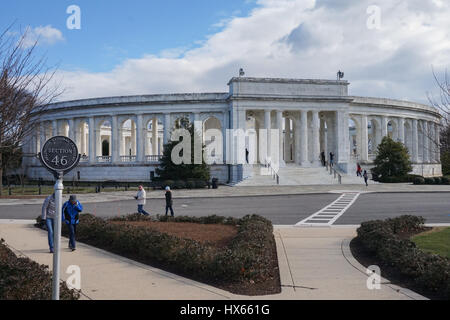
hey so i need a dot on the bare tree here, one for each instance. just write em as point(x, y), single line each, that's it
point(25, 90)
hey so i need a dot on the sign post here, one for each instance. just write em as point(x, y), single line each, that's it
point(59, 155)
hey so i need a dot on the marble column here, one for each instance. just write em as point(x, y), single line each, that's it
point(133, 137)
point(415, 142)
point(139, 138)
point(166, 128)
point(155, 136)
point(343, 140)
point(225, 126)
point(364, 140)
point(384, 129)
point(426, 142)
point(92, 155)
point(401, 130)
point(54, 128)
point(287, 139)
point(437, 137)
point(72, 132)
point(297, 142)
point(279, 122)
point(303, 136)
point(315, 126)
point(42, 132)
point(267, 127)
point(115, 140)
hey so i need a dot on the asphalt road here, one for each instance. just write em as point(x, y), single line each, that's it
point(281, 210)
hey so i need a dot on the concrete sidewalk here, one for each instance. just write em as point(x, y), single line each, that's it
point(315, 263)
point(226, 191)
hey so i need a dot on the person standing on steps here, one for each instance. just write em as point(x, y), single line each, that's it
point(169, 201)
point(48, 216)
point(358, 170)
point(141, 200)
point(71, 215)
point(366, 177)
point(331, 159)
point(246, 154)
point(322, 158)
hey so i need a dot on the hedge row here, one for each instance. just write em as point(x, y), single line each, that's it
point(435, 180)
point(404, 179)
point(24, 279)
point(248, 257)
point(181, 184)
point(430, 272)
point(212, 219)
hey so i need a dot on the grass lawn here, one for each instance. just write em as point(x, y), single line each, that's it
point(46, 190)
point(436, 241)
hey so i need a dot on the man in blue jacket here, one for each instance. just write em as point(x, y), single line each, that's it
point(70, 214)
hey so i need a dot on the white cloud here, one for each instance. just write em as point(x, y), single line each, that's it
point(42, 35)
point(298, 39)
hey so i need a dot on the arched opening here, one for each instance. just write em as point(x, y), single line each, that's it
point(392, 130)
point(252, 126)
point(374, 136)
point(105, 148)
point(128, 140)
point(103, 135)
point(83, 139)
point(154, 139)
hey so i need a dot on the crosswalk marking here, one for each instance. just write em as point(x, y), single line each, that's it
point(328, 215)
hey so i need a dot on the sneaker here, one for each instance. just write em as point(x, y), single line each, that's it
point(73, 249)
point(51, 250)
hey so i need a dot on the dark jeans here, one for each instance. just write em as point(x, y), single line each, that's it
point(171, 210)
point(72, 234)
point(49, 223)
point(141, 210)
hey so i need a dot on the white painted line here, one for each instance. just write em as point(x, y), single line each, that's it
point(331, 212)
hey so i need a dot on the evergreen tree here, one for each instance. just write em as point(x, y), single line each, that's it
point(168, 170)
point(392, 159)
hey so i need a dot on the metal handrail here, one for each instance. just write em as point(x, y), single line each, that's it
point(273, 172)
point(334, 171)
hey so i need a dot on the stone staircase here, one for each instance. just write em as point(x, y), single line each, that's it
point(295, 175)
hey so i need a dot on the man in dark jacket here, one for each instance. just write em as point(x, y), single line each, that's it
point(169, 201)
point(70, 214)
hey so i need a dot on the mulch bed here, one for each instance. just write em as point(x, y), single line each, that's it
point(366, 258)
point(219, 236)
point(23, 197)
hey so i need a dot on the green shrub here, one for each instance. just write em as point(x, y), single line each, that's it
point(190, 184)
point(200, 184)
point(180, 184)
point(445, 180)
point(429, 181)
point(429, 271)
point(437, 180)
point(248, 256)
point(24, 279)
point(419, 180)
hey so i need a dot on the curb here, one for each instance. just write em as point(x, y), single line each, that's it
point(346, 252)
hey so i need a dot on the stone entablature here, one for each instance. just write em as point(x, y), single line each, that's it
point(311, 115)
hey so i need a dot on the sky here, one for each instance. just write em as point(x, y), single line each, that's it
point(386, 48)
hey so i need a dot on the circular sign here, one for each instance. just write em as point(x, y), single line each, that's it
point(59, 154)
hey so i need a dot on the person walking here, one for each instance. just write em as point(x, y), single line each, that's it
point(70, 215)
point(141, 200)
point(246, 154)
point(366, 177)
point(322, 158)
point(48, 217)
point(169, 201)
point(358, 170)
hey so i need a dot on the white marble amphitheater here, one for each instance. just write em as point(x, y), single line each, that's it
point(122, 138)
